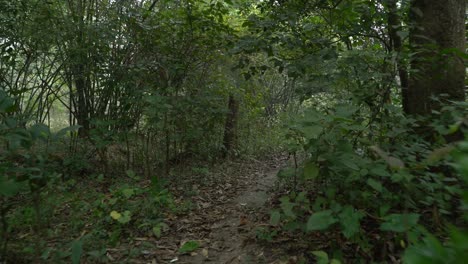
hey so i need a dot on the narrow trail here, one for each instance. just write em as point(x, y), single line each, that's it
point(233, 237)
point(229, 211)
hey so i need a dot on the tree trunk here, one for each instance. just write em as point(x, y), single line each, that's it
point(394, 25)
point(437, 35)
point(82, 111)
point(79, 72)
point(230, 128)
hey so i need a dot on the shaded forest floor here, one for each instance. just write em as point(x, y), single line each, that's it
point(219, 210)
point(230, 206)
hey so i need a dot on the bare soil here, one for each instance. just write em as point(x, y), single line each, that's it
point(230, 206)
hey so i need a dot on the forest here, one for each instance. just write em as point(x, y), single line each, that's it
point(235, 131)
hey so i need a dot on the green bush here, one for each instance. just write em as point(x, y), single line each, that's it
point(361, 178)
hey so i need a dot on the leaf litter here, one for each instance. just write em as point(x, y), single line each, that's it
point(229, 205)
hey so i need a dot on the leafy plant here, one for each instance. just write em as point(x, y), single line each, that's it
point(354, 187)
point(189, 246)
point(454, 249)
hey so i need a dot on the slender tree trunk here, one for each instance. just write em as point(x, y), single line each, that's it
point(396, 44)
point(79, 72)
point(437, 34)
point(230, 128)
point(82, 107)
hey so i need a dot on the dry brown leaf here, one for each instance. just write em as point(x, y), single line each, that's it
point(243, 220)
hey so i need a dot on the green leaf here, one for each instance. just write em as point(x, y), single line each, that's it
point(9, 187)
point(157, 231)
point(322, 257)
point(286, 173)
point(275, 218)
point(312, 132)
point(39, 131)
point(399, 222)
point(61, 133)
point(375, 184)
point(320, 221)
point(131, 174)
point(77, 251)
point(287, 207)
point(126, 217)
point(115, 215)
point(379, 170)
point(7, 104)
point(189, 246)
point(311, 171)
point(159, 228)
point(350, 221)
point(430, 251)
point(350, 163)
point(128, 192)
point(121, 218)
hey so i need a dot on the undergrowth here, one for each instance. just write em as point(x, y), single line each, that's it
point(375, 190)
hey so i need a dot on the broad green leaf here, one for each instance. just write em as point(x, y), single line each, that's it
point(286, 173)
point(375, 184)
point(379, 170)
point(321, 257)
point(320, 221)
point(125, 218)
point(345, 111)
point(275, 218)
point(157, 231)
point(131, 174)
point(399, 222)
point(312, 131)
point(189, 246)
point(350, 221)
point(128, 192)
point(311, 171)
point(350, 163)
point(287, 207)
point(431, 251)
point(7, 104)
point(39, 131)
point(61, 133)
point(9, 187)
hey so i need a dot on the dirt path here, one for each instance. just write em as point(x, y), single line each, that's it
point(232, 238)
point(230, 209)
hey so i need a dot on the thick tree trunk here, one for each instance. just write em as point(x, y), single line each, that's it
point(230, 128)
point(437, 34)
point(394, 25)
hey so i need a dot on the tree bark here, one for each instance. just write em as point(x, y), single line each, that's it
point(82, 111)
point(437, 35)
point(230, 128)
point(79, 70)
point(396, 44)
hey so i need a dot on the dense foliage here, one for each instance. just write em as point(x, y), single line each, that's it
point(103, 102)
